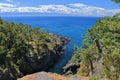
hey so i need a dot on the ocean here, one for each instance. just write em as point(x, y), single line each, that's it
point(71, 27)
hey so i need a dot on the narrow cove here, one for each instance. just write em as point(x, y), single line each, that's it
point(71, 27)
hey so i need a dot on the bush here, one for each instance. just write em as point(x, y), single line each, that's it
point(112, 65)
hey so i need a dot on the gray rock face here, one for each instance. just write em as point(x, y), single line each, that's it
point(70, 68)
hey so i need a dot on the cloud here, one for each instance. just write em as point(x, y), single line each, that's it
point(78, 5)
point(77, 9)
point(6, 5)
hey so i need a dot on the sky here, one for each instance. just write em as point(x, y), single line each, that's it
point(58, 8)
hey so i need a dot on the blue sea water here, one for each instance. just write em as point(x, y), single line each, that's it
point(72, 27)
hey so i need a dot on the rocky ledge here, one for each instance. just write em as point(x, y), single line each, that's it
point(51, 76)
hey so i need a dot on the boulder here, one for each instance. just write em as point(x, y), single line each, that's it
point(71, 68)
point(51, 76)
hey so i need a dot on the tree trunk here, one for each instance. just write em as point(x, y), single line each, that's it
point(91, 66)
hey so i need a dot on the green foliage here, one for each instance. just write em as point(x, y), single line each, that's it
point(112, 65)
point(75, 55)
point(101, 45)
point(116, 1)
point(94, 78)
point(87, 56)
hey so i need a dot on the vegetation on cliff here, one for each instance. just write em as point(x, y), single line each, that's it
point(99, 54)
point(25, 50)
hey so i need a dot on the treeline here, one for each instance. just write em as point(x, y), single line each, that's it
point(99, 55)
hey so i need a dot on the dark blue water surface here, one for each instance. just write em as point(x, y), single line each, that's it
point(72, 27)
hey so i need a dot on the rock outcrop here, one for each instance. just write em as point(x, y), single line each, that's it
point(70, 68)
point(37, 76)
point(48, 58)
point(39, 60)
point(51, 76)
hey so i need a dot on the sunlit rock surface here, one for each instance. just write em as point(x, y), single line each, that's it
point(51, 76)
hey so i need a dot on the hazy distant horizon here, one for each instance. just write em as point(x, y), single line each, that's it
point(39, 15)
